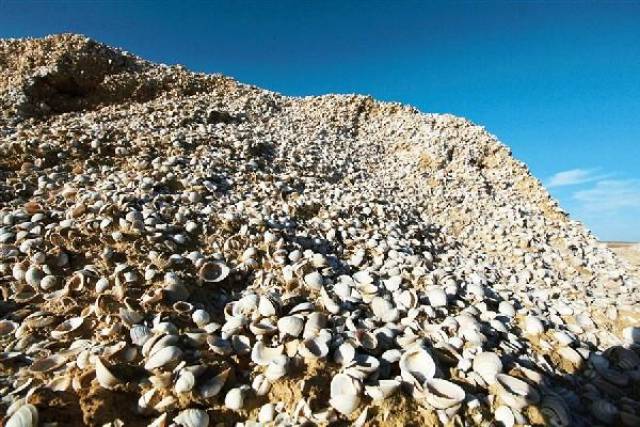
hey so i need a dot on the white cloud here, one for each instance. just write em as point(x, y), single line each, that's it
point(574, 177)
point(610, 195)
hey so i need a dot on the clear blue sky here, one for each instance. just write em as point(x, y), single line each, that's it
point(559, 82)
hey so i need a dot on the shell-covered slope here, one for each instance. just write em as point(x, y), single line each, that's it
point(207, 252)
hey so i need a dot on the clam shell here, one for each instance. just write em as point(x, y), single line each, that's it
point(277, 368)
point(261, 385)
point(200, 318)
point(25, 416)
point(443, 394)
point(104, 376)
point(382, 390)
point(212, 386)
point(185, 382)
point(604, 411)
point(192, 418)
point(48, 364)
point(314, 281)
point(290, 326)
point(417, 366)
point(8, 327)
point(487, 364)
point(66, 327)
point(384, 310)
point(345, 393)
point(313, 348)
point(344, 354)
point(533, 325)
point(516, 393)
point(162, 357)
point(437, 297)
point(555, 411)
point(234, 399)
point(263, 355)
point(213, 272)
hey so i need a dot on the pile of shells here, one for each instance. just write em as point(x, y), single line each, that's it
point(224, 255)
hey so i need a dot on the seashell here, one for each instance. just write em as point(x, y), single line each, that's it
point(233, 326)
point(487, 364)
point(362, 278)
point(162, 357)
point(263, 327)
point(570, 355)
point(192, 418)
point(443, 394)
point(261, 385)
point(33, 276)
point(344, 354)
point(407, 299)
point(267, 413)
point(200, 317)
point(384, 309)
point(8, 327)
point(104, 376)
point(392, 283)
point(213, 272)
point(66, 327)
point(277, 368)
point(241, 344)
point(303, 307)
point(313, 281)
point(159, 342)
point(290, 326)
point(315, 322)
point(533, 325)
point(313, 348)
point(62, 383)
point(506, 308)
point(48, 364)
point(604, 411)
point(437, 297)
point(345, 393)
point(417, 366)
point(139, 334)
point(366, 340)
point(234, 399)
point(563, 338)
point(25, 416)
point(504, 415)
point(268, 306)
point(382, 390)
point(185, 382)
point(555, 411)
point(182, 307)
point(515, 393)
point(625, 358)
point(631, 335)
point(219, 345)
point(263, 355)
point(212, 386)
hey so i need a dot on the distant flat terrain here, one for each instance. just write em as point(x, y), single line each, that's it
point(629, 252)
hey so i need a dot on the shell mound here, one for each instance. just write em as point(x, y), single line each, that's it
point(177, 247)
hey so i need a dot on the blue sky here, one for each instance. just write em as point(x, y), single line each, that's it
point(559, 82)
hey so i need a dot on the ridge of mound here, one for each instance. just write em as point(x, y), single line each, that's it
point(218, 252)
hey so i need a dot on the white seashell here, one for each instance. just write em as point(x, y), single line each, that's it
point(515, 393)
point(417, 366)
point(25, 416)
point(267, 306)
point(104, 376)
point(185, 382)
point(487, 364)
point(192, 418)
point(313, 281)
point(362, 278)
point(233, 326)
point(213, 272)
point(263, 327)
point(212, 386)
point(533, 325)
point(345, 393)
point(392, 283)
point(505, 416)
point(263, 355)
point(234, 399)
point(48, 282)
point(506, 308)
point(443, 394)
point(241, 344)
point(140, 334)
point(570, 355)
point(384, 310)
point(164, 356)
point(315, 322)
point(344, 354)
point(290, 326)
point(261, 385)
point(563, 338)
point(437, 297)
point(382, 390)
point(33, 276)
point(67, 327)
point(267, 413)
point(631, 335)
point(277, 368)
point(313, 348)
